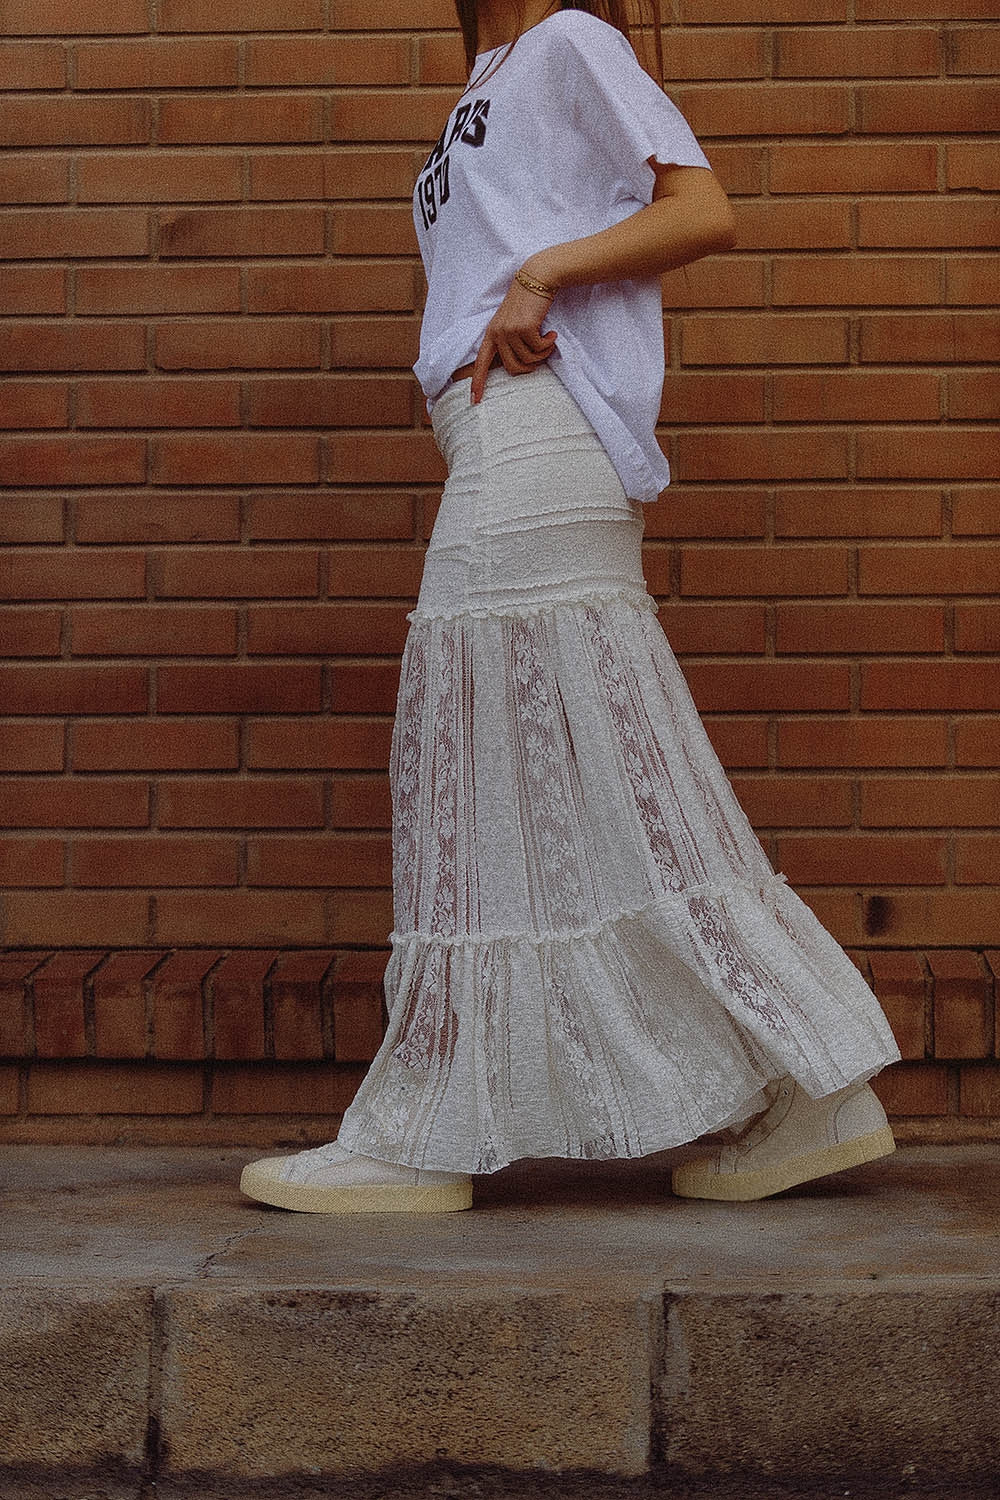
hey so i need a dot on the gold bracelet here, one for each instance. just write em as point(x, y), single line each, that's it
point(531, 285)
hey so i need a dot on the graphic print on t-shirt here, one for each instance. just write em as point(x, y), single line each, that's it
point(469, 128)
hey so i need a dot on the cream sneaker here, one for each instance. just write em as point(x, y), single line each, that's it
point(793, 1140)
point(332, 1180)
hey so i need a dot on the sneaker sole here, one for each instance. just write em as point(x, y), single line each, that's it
point(384, 1198)
point(692, 1180)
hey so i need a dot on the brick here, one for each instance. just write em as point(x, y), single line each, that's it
point(158, 63)
point(155, 745)
point(871, 741)
point(265, 572)
point(922, 10)
point(15, 1031)
point(361, 802)
point(977, 627)
point(244, 458)
point(238, 688)
point(357, 1006)
point(306, 516)
point(932, 684)
point(725, 54)
point(717, 281)
point(766, 339)
point(973, 394)
point(153, 860)
point(899, 983)
point(975, 742)
point(925, 569)
point(932, 338)
point(343, 287)
point(976, 509)
point(699, 12)
point(973, 49)
point(979, 1086)
point(383, 343)
point(245, 344)
point(296, 989)
point(863, 859)
point(762, 686)
point(31, 802)
point(320, 860)
point(43, 233)
point(913, 1088)
point(234, 119)
point(158, 517)
point(388, 457)
point(54, 17)
point(31, 747)
point(858, 628)
point(31, 65)
point(109, 1088)
point(976, 857)
point(29, 289)
point(929, 108)
point(282, 1089)
point(330, 402)
point(441, 60)
point(336, 174)
point(382, 230)
point(51, 574)
point(120, 1027)
point(65, 120)
point(375, 571)
point(362, 918)
point(257, 802)
point(970, 279)
point(726, 511)
point(390, 114)
point(705, 398)
point(58, 989)
point(912, 453)
point(34, 179)
point(351, 743)
point(856, 396)
point(49, 346)
point(854, 167)
point(370, 687)
point(176, 1005)
point(158, 403)
point(233, 15)
point(394, 15)
point(160, 177)
point(236, 988)
point(854, 280)
point(857, 52)
point(241, 231)
point(791, 224)
point(31, 518)
point(157, 289)
point(919, 223)
point(72, 460)
point(33, 403)
point(739, 168)
point(325, 629)
point(967, 801)
point(31, 861)
point(696, 630)
point(768, 454)
point(63, 689)
point(275, 918)
point(326, 61)
point(973, 164)
point(765, 109)
point(30, 632)
point(146, 630)
point(739, 741)
point(963, 1010)
point(718, 571)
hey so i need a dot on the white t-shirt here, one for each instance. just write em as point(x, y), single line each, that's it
point(554, 146)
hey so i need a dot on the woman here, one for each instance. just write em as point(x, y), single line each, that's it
point(593, 956)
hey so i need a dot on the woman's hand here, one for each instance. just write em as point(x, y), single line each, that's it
point(514, 333)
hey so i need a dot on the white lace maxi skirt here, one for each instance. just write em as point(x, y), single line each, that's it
point(592, 955)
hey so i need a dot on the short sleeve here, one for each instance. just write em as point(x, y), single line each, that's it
point(619, 106)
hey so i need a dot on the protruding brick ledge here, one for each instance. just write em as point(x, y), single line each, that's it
point(236, 1045)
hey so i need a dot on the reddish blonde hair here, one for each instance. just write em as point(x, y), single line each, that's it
point(631, 17)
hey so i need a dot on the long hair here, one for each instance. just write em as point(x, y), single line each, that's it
point(633, 18)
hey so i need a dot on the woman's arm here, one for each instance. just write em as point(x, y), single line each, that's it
point(689, 217)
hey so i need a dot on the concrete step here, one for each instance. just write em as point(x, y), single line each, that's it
point(580, 1332)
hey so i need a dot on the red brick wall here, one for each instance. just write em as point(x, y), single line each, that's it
point(219, 480)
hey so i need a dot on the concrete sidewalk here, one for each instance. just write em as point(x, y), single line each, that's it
point(579, 1332)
